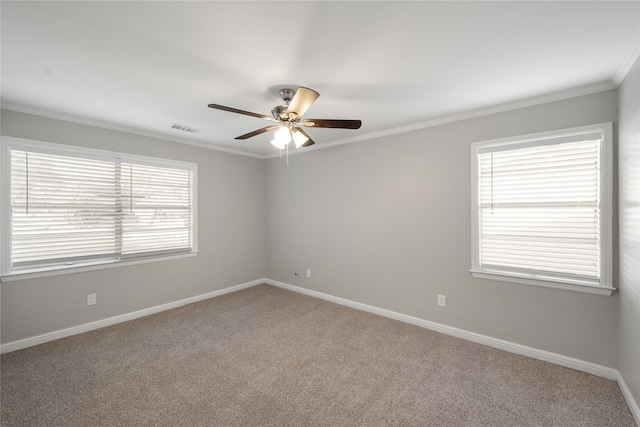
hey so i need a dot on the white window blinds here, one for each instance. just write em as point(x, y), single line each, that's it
point(157, 214)
point(539, 208)
point(62, 208)
point(69, 207)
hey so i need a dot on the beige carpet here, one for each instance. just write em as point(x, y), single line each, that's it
point(269, 357)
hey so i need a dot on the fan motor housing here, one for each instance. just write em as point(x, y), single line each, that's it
point(280, 112)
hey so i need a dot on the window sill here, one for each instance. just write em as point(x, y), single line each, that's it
point(99, 265)
point(565, 286)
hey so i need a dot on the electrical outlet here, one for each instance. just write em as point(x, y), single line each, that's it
point(442, 300)
point(91, 299)
point(308, 272)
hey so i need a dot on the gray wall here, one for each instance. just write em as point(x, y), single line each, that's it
point(231, 230)
point(629, 220)
point(386, 222)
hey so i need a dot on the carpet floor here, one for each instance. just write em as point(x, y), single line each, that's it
point(265, 356)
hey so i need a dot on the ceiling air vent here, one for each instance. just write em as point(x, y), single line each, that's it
point(185, 128)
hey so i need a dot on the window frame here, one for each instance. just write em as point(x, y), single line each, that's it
point(8, 274)
point(604, 285)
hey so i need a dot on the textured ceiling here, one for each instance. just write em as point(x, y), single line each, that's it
point(395, 65)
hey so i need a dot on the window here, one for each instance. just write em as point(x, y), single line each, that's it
point(541, 209)
point(66, 207)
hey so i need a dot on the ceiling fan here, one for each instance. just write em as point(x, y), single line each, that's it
point(288, 119)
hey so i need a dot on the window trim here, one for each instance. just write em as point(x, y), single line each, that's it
point(605, 284)
point(13, 143)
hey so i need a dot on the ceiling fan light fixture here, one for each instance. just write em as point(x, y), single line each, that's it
point(278, 144)
point(281, 138)
point(299, 138)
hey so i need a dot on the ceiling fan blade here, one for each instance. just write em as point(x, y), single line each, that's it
point(309, 140)
point(325, 123)
point(302, 100)
point(257, 132)
point(246, 113)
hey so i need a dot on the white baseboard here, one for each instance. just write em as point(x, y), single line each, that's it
point(558, 359)
point(633, 405)
point(50, 336)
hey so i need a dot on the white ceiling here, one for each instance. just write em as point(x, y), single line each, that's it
point(395, 65)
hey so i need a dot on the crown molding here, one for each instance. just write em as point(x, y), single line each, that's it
point(111, 126)
point(628, 61)
point(498, 108)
